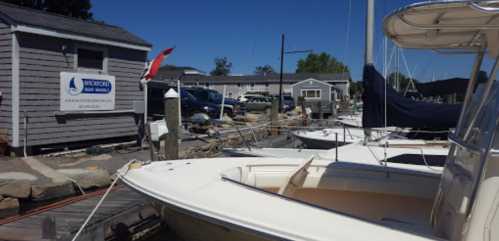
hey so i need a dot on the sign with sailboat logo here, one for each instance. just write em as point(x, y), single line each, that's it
point(83, 92)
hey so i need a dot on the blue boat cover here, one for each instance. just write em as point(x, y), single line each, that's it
point(401, 111)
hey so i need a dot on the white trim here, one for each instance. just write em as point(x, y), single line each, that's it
point(52, 33)
point(15, 91)
point(312, 79)
point(311, 98)
point(105, 57)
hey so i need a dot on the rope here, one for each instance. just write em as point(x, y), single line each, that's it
point(425, 162)
point(118, 176)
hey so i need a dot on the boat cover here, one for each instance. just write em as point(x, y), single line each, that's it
point(401, 111)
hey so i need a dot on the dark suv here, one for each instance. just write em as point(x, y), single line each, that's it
point(214, 98)
point(190, 105)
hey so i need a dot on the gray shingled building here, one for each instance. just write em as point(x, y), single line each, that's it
point(75, 80)
point(238, 85)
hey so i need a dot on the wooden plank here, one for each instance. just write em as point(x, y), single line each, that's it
point(58, 139)
point(70, 217)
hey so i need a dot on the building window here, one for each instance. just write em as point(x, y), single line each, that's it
point(90, 59)
point(310, 94)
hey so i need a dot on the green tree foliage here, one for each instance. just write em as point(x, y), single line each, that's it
point(403, 81)
point(264, 70)
point(72, 8)
point(222, 67)
point(321, 63)
point(356, 89)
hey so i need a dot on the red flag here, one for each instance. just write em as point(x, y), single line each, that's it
point(156, 63)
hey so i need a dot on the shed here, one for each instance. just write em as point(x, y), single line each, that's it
point(320, 96)
point(314, 90)
point(74, 80)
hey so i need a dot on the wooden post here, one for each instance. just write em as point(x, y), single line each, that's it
point(172, 123)
point(319, 105)
point(274, 114)
point(301, 101)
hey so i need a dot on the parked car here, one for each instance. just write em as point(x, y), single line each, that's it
point(288, 103)
point(232, 107)
point(190, 105)
point(257, 102)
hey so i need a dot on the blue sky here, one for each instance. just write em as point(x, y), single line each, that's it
point(248, 33)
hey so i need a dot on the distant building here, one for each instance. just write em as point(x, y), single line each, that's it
point(238, 85)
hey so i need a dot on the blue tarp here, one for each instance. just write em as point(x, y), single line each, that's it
point(401, 111)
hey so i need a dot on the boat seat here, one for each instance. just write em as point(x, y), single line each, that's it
point(296, 179)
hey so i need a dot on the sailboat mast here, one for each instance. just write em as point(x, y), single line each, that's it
point(368, 57)
point(369, 33)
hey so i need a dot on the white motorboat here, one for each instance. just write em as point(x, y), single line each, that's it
point(329, 137)
point(354, 120)
point(307, 199)
point(398, 153)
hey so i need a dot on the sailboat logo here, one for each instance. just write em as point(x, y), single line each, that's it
point(74, 87)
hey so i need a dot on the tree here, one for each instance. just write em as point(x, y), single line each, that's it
point(356, 89)
point(321, 63)
point(399, 81)
point(222, 67)
point(264, 70)
point(72, 8)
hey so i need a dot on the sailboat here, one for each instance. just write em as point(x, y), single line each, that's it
point(308, 199)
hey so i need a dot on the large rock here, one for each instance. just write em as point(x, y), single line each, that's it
point(88, 178)
point(50, 191)
point(15, 188)
point(8, 206)
point(251, 117)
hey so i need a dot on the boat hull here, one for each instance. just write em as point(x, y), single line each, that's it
point(313, 143)
point(193, 227)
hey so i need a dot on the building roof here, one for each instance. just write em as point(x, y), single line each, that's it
point(23, 16)
point(313, 80)
point(257, 79)
point(172, 72)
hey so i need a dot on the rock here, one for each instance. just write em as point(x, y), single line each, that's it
point(8, 207)
point(15, 188)
point(88, 178)
point(251, 117)
point(17, 176)
point(50, 191)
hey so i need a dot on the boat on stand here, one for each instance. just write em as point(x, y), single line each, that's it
point(309, 199)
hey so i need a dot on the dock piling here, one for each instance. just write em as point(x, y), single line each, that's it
point(172, 123)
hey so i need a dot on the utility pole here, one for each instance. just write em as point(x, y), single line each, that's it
point(280, 74)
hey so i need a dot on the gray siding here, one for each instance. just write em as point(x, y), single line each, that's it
point(5, 80)
point(312, 84)
point(41, 61)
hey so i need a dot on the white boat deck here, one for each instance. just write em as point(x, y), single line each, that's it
point(354, 153)
point(210, 197)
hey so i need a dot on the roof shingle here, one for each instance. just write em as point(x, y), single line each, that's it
point(17, 15)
